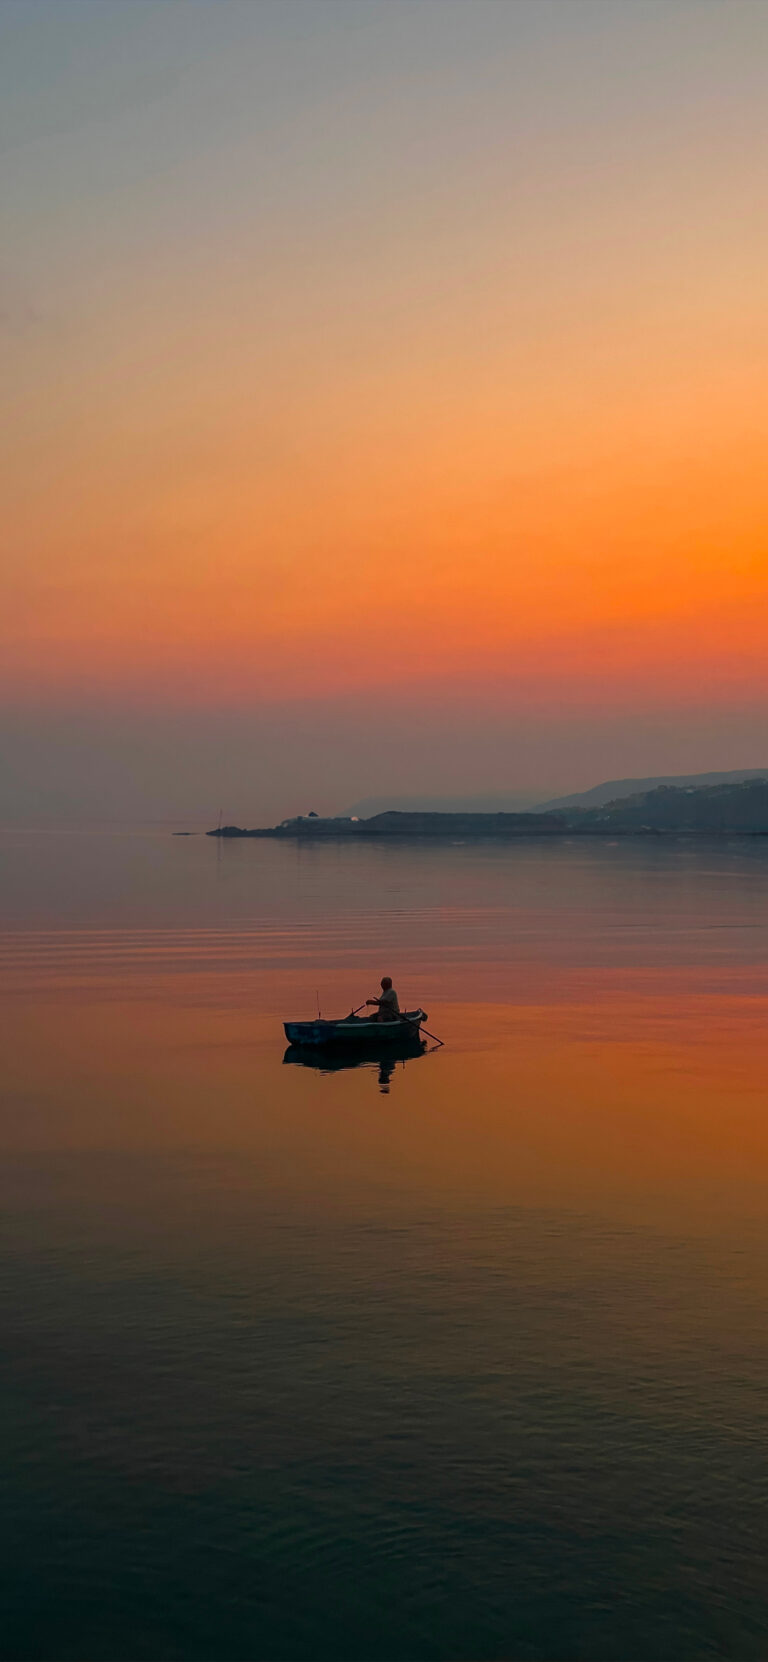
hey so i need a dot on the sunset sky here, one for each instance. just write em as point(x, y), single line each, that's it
point(384, 399)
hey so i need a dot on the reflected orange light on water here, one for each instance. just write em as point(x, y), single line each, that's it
point(650, 1102)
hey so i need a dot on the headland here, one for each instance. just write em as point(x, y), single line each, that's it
point(728, 809)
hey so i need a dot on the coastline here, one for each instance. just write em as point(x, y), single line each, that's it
point(484, 834)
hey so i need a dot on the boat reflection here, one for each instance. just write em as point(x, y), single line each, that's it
point(385, 1062)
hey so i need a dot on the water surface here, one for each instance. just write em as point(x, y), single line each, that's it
point(469, 1364)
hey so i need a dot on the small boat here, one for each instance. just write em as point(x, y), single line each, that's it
point(353, 1032)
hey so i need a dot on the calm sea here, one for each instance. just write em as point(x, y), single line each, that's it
point(465, 1363)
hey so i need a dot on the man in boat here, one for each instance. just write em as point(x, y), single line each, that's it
point(388, 1004)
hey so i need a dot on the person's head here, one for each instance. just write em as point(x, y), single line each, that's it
point(386, 983)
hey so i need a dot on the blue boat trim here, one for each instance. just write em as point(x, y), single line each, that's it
point(355, 1030)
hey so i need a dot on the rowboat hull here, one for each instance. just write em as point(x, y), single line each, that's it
point(354, 1032)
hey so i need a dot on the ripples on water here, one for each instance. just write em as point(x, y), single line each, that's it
point(297, 1369)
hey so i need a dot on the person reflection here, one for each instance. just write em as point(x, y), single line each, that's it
point(386, 1070)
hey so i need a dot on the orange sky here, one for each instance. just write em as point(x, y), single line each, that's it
point(425, 354)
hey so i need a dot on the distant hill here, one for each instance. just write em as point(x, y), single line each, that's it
point(615, 789)
point(394, 824)
point(733, 806)
point(489, 802)
point(713, 808)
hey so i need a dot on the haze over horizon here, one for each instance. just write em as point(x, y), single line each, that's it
point(385, 405)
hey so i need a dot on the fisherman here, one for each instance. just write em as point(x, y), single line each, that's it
point(388, 1004)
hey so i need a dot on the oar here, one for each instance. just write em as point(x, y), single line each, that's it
point(414, 1025)
point(359, 1008)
